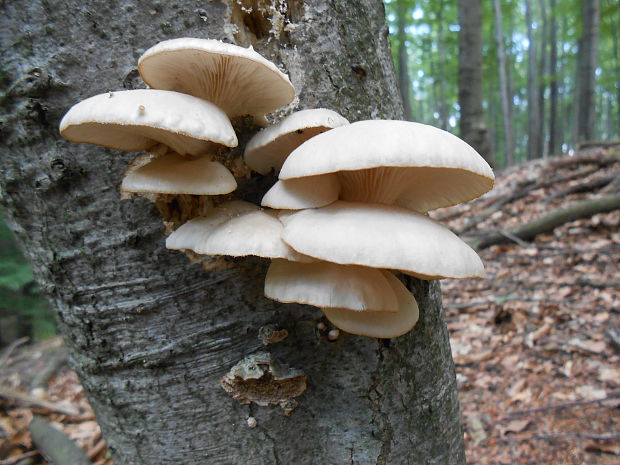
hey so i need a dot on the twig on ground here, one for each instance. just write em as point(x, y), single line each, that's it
point(12, 394)
point(6, 354)
point(19, 458)
point(579, 403)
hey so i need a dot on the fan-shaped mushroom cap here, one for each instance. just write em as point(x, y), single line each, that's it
point(175, 174)
point(379, 324)
point(235, 228)
point(325, 284)
point(269, 148)
point(310, 192)
point(236, 79)
point(139, 119)
point(394, 162)
point(381, 236)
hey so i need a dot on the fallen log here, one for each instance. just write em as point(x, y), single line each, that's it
point(559, 216)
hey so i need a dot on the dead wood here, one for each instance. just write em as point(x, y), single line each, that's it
point(559, 216)
point(589, 186)
point(6, 354)
point(580, 403)
point(56, 446)
point(27, 399)
point(598, 144)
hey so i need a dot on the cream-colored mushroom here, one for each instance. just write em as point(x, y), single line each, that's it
point(238, 80)
point(175, 174)
point(381, 236)
point(325, 284)
point(269, 148)
point(412, 165)
point(140, 119)
point(379, 324)
point(235, 228)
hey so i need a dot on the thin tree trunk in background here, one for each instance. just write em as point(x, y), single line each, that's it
point(472, 125)
point(587, 60)
point(616, 41)
point(533, 109)
point(543, 73)
point(503, 83)
point(404, 81)
point(149, 334)
point(553, 147)
point(443, 78)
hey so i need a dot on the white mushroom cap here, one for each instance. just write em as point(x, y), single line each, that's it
point(381, 236)
point(325, 284)
point(235, 228)
point(139, 119)
point(394, 162)
point(379, 324)
point(269, 148)
point(310, 192)
point(236, 79)
point(175, 174)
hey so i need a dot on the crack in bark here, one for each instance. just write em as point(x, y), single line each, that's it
point(386, 427)
point(274, 447)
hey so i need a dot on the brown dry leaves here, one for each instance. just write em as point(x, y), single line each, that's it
point(533, 334)
point(63, 390)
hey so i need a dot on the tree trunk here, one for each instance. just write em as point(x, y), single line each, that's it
point(587, 59)
point(472, 125)
point(503, 83)
point(533, 110)
point(404, 81)
point(443, 78)
point(553, 147)
point(150, 334)
point(543, 73)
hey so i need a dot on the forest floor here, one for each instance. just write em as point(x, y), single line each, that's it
point(536, 344)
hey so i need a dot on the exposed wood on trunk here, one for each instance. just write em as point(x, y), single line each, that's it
point(547, 223)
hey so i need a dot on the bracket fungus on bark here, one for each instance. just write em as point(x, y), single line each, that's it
point(261, 379)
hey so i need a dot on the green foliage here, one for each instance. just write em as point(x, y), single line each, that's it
point(19, 294)
point(431, 37)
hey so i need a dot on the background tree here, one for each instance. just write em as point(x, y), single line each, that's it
point(587, 59)
point(149, 334)
point(402, 63)
point(472, 124)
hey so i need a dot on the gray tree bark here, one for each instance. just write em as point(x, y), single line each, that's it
point(149, 334)
point(472, 125)
point(587, 59)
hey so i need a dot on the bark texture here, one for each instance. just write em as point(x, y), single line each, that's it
point(472, 125)
point(149, 334)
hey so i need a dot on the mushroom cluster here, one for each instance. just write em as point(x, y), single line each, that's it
point(377, 180)
point(349, 208)
point(183, 120)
